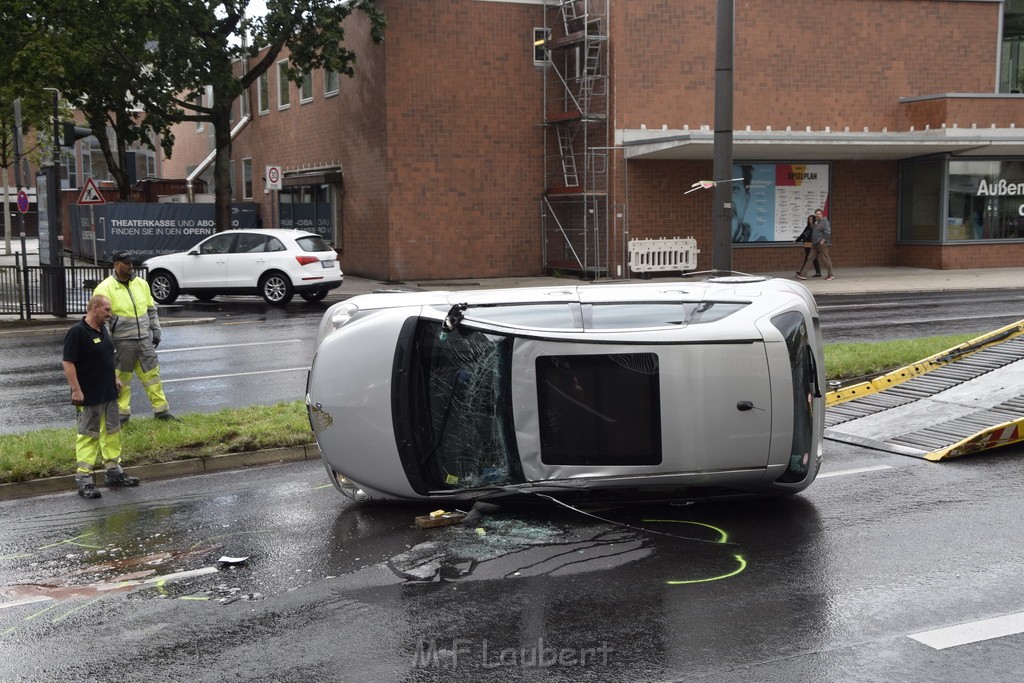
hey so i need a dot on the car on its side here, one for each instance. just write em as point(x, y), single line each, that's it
point(681, 389)
point(274, 263)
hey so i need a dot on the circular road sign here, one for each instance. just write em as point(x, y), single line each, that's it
point(22, 201)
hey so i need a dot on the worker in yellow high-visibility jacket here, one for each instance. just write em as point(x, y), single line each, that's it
point(135, 329)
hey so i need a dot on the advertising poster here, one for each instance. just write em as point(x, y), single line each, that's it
point(771, 202)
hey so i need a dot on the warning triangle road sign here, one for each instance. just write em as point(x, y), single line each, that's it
point(90, 194)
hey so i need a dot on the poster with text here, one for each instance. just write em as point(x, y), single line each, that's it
point(771, 202)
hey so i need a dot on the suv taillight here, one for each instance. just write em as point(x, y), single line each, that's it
point(306, 260)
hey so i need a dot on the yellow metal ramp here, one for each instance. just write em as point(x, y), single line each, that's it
point(966, 399)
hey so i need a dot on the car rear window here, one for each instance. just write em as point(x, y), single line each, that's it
point(313, 243)
point(655, 314)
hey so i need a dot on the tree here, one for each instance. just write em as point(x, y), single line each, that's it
point(17, 82)
point(141, 66)
point(197, 45)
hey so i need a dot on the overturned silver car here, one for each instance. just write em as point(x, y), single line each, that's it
point(678, 389)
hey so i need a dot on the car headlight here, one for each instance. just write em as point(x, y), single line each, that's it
point(343, 314)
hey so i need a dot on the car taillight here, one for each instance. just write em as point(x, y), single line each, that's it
point(306, 260)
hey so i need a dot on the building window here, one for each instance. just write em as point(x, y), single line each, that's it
point(1011, 64)
point(306, 88)
point(985, 200)
point(231, 175)
point(331, 82)
point(283, 86)
point(263, 93)
point(243, 104)
point(71, 169)
point(540, 53)
point(246, 178)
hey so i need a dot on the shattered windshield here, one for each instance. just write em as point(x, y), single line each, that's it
point(463, 428)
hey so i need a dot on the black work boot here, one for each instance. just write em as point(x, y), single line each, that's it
point(119, 478)
point(166, 415)
point(124, 419)
point(86, 489)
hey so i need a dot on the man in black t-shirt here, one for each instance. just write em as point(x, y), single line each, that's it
point(90, 371)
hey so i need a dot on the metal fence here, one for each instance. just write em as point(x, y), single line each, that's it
point(65, 290)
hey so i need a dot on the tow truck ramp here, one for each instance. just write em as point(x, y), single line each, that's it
point(963, 400)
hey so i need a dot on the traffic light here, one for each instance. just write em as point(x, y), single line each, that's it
point(73, 133)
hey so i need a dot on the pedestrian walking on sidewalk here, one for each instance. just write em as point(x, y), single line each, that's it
point(805, 239)
point(135, 329)
point(89, 369)
point(821, 240)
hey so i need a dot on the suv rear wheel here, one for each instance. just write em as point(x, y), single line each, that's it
point(276, 288)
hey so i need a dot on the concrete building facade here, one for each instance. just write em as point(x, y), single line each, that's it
point(490, 138)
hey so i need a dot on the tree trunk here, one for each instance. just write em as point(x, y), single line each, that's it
point(222, 166)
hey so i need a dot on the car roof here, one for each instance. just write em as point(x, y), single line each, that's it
point(276, 232)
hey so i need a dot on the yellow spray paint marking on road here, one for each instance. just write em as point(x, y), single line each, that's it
point(723, 537)
point(72, 541)
point(739, 558)
point(80, 607)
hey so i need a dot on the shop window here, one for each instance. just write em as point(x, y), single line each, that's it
point(985, 200)
point(921, 201)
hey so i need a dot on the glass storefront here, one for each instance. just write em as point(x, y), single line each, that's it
point(957, 200)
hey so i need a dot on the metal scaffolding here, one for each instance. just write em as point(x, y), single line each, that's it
point(576, 218)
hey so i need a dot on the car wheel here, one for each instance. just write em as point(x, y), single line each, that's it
point(163, 287)
point(276, 289)
point(205, 296)
point(313, 297)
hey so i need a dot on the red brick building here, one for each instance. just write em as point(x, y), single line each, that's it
point(463, 149)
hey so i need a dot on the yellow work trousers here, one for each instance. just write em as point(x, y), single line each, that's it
point(99, 435)
point(150, 382)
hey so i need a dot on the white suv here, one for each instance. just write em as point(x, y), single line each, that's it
point(275, 264)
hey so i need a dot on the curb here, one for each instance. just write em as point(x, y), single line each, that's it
point(166, 470)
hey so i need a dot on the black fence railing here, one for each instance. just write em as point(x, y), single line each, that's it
point(49, 290)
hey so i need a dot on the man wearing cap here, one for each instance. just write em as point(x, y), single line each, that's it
point(135, 328)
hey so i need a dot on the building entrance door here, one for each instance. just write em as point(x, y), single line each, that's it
point(309, 208)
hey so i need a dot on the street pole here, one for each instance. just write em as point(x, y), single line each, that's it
point(721, 254)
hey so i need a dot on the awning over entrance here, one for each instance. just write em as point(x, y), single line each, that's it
point(769, 145)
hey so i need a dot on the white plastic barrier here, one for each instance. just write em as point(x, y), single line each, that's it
point(648, 256)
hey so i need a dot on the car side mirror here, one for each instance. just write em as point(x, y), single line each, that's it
point(194, 252)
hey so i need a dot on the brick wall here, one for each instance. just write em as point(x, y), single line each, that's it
point(465, 145)
point(798, 62)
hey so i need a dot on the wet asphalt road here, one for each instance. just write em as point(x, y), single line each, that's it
point(254, 354)
point(827, 585)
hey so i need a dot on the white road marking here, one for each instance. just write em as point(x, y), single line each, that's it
point(230, 346)
point(24, 601)
point(972, 631)
point(856, 470)
point(234, 374)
